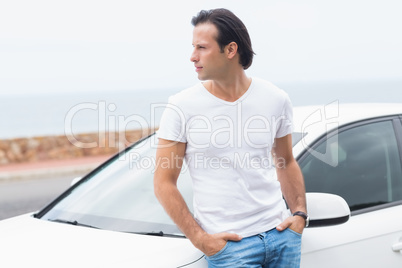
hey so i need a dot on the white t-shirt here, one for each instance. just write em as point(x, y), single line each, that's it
point(229, 155)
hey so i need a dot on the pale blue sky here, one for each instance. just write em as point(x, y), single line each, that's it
point(89, 45)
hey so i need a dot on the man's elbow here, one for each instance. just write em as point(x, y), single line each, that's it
point(163, 186)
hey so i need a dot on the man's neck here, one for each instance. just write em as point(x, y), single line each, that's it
point(229, 89)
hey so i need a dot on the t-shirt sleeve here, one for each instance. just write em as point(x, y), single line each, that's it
point(172, 124)
point(285, 122)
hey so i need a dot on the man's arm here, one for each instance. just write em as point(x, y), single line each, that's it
point(292, 183)
point(170, 156)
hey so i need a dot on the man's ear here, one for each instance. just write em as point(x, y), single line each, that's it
point(231, 50)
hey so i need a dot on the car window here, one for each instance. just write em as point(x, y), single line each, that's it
point(361, 164)
point(120, 196)
point(296, 137)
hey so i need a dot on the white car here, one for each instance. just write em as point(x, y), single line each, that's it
point(110, 218)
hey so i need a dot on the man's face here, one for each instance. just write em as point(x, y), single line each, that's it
point(210, 63)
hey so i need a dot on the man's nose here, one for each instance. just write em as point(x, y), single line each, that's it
point(193, 57)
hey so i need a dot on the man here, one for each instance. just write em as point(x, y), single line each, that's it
point(235, 134)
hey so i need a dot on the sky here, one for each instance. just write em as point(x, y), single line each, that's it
point(54, 46)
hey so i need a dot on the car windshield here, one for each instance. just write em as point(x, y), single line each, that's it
point(119, 195)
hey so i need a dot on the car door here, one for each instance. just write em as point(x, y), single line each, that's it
point(365, 169)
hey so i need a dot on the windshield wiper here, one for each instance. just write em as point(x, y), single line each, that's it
point(76, 223)
point(160, 233)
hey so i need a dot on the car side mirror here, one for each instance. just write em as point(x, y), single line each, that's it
point(326, 209)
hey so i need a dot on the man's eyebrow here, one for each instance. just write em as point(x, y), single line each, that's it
point(199, 45)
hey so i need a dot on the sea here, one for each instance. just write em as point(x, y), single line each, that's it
point(31, 115)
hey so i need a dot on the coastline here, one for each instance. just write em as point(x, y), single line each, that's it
point(45, 156)
point(50, 168)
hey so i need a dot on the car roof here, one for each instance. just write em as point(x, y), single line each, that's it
point(344, 113)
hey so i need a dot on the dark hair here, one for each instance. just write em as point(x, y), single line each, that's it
point(230, 29)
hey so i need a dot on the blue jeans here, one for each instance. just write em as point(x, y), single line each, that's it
point(270, 249)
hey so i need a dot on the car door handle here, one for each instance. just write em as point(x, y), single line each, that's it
point(397, 247)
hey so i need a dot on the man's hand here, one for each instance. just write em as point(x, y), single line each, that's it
point(295, 223)
point(292, 183)
point(212, 244)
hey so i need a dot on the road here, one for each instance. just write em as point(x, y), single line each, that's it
point(23, 196)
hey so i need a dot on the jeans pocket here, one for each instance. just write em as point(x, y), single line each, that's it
point(220, 252)
point(294, 232)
